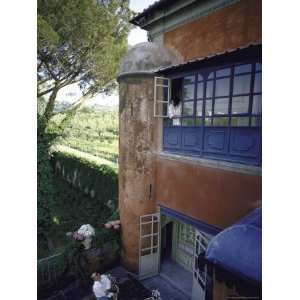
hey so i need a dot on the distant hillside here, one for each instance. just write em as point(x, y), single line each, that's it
point(94, 130)
point(63, 105)
point(103, 107)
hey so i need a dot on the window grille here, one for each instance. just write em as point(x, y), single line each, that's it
point(221, 114)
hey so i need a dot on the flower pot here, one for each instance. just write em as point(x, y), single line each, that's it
point(87, 243)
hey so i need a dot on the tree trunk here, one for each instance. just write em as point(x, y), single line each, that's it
point(70, 113)
point(51, 102)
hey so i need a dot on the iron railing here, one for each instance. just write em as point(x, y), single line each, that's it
point(50, 268)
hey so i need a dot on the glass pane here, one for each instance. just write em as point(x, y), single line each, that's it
point(208, 107)
point(200, 87)
point(155, 240)
point(199, 121)
point(189, 79)
point(155, 226)
point(146, 252)
point(146, 229)
point(161, 108)
point(242, 69)
point(241, 84)
point(187, 121)
point(208, 121)
point(257, 83)
point(209, 88)
point(240, 105)
point(200, 77)
point(223, 72)
point(162, 81)
point(258, 66)
point(256, 106)
point(165, 109)
point(239, 121)
point(211, 75)
point(176, 122)
point(221, 106)
point(222, 87)
point(146, 242)
point(188, 92)
point(147, 219)
point(188, 108)
point(199, 107)
point(167, 122)
point(256, 121)
point(162, 93)
point(223, 121)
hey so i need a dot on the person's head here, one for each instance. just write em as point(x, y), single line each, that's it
point(96, 276)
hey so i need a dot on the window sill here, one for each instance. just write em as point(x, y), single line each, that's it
point(227, 166)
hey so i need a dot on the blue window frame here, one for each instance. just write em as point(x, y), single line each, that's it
point(220, 114)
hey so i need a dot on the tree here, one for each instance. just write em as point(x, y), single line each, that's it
point(79, 42)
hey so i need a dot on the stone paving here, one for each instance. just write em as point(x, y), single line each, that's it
point(173, 283)
point(167, 291)
point(177, 276)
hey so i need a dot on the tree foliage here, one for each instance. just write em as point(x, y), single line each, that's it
point(79, 42)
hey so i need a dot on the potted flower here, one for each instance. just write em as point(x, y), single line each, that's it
point(84, 235)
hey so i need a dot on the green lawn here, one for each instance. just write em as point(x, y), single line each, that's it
point(84, 155)
point(95, 132)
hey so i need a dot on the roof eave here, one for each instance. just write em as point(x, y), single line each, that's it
point(201, 60)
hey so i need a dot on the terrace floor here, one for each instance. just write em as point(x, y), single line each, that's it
point(177, 276)
point(173, 282)
point(166, 289)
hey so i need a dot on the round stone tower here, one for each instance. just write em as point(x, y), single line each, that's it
point(137, 141)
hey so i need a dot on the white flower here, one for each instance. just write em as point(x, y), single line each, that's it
point(86, 230)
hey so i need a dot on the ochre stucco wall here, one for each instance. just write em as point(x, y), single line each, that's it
point(135, 162)
point(224, 29)
point(214, 196)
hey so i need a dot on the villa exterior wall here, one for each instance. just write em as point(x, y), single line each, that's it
point(228, 28)
point(136, 173)
point(213, 196)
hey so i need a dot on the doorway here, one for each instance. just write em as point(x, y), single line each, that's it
point(167, 232)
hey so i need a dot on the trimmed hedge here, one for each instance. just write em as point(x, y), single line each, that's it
point(99, 181)
point(87, 193)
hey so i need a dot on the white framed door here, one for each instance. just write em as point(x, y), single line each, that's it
point(149, 248)
point(183, 245)
point(199, 269)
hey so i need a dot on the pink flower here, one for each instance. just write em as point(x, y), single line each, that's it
point(78, 237)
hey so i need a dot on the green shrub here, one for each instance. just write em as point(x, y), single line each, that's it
point(89, 197)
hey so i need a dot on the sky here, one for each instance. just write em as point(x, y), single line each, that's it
point(72, 93)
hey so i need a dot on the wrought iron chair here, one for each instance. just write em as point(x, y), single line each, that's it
point(155, 295)
point(114, 290)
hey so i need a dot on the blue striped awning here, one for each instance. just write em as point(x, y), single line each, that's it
point(238, 247)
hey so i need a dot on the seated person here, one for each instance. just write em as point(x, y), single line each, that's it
point(101, 286)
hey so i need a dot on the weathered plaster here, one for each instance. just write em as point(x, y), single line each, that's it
point(135, 162)
point(146, 58)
